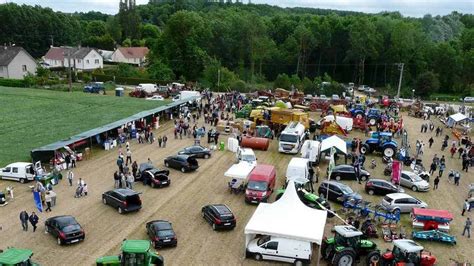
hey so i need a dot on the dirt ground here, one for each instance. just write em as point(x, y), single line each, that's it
point(180, 203)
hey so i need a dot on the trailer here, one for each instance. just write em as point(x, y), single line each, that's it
point(429, 219)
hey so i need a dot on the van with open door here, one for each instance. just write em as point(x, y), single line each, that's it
point(21, 171)
point(280, 249)
point(260, 184)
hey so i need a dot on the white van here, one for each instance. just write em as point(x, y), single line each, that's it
point(280, 249)
point(147, 87)
point(189, 94)
point(298, 169)
point(246, 155)
point(310, 150)
point(291, 139)
point(21, 171)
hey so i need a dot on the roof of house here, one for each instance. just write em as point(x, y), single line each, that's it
point(57, 53)
point(8, 53)
point(134, 52)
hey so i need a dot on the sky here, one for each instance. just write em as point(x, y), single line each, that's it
point(412, 8)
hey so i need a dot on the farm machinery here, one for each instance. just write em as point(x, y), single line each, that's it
point(15, 256)
point(434, 223)
point(347, 247)
point(134, 252)
point(405, 252)
point(380, 142)
point(363, 209)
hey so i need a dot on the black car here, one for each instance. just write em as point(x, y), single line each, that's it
point(338, 192)
point(65, 229)
point(122, 199)
point(185, 163)
point(152, 176)
point(381, 187)
point(161, 234)
point(196, 150)
point(219, 216)
point(344, 171)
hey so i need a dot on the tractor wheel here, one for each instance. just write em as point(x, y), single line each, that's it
point(345, 257)
point(372, 121)
point(359, 116)
point(327, 251)
point(373, 258)
point(364, 149)
point(389, 151)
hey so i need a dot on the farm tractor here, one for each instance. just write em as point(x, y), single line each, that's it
point(406, 252)
point(15, 256)
point(134, 252)
point(373, 116)
point(380, 142)
point(347, 247)
point(358, 111)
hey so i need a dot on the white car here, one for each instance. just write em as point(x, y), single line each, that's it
point(156, 98)
point(370, 90)
point(362, 87)
point(323, 97)
point(469, 99)
point(414, 181)
point(335, 97)
point(402, 202)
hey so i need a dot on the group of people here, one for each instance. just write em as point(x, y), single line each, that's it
point(25, 218)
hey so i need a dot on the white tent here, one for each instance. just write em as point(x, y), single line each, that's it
point(334, 141)
point(287, 217)
point(240, 170)
point(458, 117)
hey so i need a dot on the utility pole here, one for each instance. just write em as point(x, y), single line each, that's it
point(400, 67)
point(52, 40)
point(218, 79)
point(69, 68)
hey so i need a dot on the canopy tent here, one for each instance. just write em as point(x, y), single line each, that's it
point(458, 117)
point(240, 170)
point(336, 142)
point(47, 152)
point(287, 217)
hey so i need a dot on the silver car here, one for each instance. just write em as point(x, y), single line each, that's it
point(401, 202)
point(414, 181)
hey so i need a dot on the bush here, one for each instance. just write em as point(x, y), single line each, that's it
point(13, 83)
point(126, 80)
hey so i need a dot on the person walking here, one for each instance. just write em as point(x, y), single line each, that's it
point(34, 220)
point(48, 200)
point(116, 179)
point(159, 141)
point(85, 189)
point(433, 167)
point(436, 182)
point(129, 157)
point(452, 151)
point(134, 168)
point(430, 141)
point(317, 173)
point(465, 207)
point(165, 139)
point(120, 164)
point(67, 159)
point(70, 177)
point(130, 181)
point(442, 166)
point(81, 182)
point(24, 220)
point(467, 228)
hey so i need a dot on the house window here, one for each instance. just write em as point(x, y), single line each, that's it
point(87, 61)
point(97, 61)
point(1, 70)
point(23, 67)
point(135, 59)
point(79, 61)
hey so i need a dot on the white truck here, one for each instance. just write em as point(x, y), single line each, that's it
point(183, 95)
point(21, 171)
point(280, 249)
point(311, 150)
point(292, 138)
point(147, 87)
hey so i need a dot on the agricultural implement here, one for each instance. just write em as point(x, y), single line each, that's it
point(363, 209)
point(435, 235)
point(434, 223)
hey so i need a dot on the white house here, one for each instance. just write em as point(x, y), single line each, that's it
point(81, 58)
point(130, 55)
point(16, 62)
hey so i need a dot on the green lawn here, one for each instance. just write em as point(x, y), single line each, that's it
point(31, 118)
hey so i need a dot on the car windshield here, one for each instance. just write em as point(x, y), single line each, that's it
point(416, 178)
point(288, 138)
point(257, 185)
point(263, 240)
point(71, 228)
point(346, 189)
point(248, 157)
point(63, 222)
point(165, 233)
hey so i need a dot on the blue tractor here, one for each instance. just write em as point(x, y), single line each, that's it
point(358, 111)
point(95, 87)
point(373, 116)
point(380, 142)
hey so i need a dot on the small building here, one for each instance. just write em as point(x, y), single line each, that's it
point(106, 55)
point(130, 55)
point(81, 58)
point(16, 62)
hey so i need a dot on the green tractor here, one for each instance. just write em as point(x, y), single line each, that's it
point(346, 247)
point(15, 256)
point(134, 253)
point(244, 112)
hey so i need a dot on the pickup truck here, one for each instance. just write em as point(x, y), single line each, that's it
point(95, 87)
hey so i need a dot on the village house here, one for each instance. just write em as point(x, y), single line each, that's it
point(16, 62)
point(81, 58)
point(130, 55)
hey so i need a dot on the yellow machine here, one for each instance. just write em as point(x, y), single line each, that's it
point(280, 116)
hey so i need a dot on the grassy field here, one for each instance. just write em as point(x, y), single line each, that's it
point(31, 118)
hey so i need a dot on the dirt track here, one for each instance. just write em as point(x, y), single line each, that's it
point(181, 203)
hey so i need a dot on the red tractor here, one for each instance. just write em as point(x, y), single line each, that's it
point(319, 104)
point(406, 252)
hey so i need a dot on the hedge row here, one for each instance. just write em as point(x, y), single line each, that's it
point(126, 80)
point(13, 83)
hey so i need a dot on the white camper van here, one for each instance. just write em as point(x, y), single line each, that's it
point(291, 139)
point(280, 249)
point(20, 171)
point(311, 150)
point(297, 170)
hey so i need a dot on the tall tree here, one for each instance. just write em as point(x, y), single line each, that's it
point(129, 19)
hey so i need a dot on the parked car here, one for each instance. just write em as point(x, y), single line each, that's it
point(345, 171)
point(370, 90)
point(413, 181)
point(469, 99)
point(279, 249)
point(65, 229)
point(323, 97)
point(337, 191)
point(335, 97)
point(20, 171)
point(122, 199)
point(219, 216)
point(185, 163)
point(155, 98)
point(363, 87)
point(197, 150)
point(161, 234)
point(381, 187)
point(153, 176)
point(402, 202)
point(95, 87)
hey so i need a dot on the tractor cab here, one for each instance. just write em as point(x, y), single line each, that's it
point(134, 252)
point(15, 256)
point(408, 251)
point(380, 142)
point(347, 236)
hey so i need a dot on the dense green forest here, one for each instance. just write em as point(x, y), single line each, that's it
point(253, 45)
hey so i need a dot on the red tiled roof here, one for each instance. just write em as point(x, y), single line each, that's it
point(55, 53)
point(134, 52)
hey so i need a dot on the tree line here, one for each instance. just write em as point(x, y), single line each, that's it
point(236, 45)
